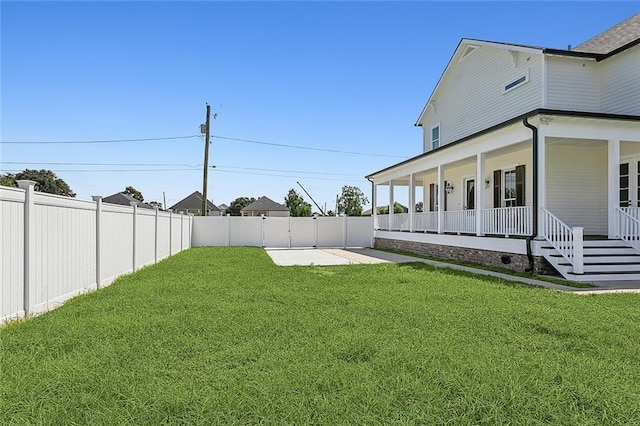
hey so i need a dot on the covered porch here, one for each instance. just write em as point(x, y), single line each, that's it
point(564, 179)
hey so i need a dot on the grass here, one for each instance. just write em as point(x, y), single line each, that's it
point(546, 278)
point(223, 336)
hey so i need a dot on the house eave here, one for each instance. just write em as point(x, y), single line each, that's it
point(533, 113)
point(464, 42)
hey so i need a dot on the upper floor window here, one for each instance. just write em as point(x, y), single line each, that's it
point(435, 136)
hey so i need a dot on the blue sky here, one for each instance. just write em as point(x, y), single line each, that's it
point(342, 76)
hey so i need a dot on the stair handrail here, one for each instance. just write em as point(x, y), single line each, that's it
point(568, 241)
point(628, 228)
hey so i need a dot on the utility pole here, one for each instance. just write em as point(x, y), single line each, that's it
point(206, 163)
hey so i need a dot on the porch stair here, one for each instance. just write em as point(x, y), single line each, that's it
point(604, 260)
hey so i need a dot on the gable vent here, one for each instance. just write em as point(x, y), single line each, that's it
point(468, 51)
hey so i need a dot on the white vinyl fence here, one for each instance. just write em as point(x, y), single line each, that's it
point(53, 248)
point(283, 232)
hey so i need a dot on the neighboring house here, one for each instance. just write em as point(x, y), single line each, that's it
point(529, 153)
point(223, 209)
point(193, 204)
point(125, 200)
point(264, 206)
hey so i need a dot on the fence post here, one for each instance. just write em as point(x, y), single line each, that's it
point(155, 245)
point(170, 230)
point(29, 187)
point(344, 230)
point(263, 219)
point(578, 250)
point(181, 230)
point(98, 200)
point(315, 232)
point(134, 204)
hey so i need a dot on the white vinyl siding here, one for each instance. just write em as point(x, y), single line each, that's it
point(471, 95)
point(620, 83)
point(572, 84)
point(577, 185)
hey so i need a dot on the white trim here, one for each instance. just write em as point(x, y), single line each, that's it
point(515, 83)
point(543, 77)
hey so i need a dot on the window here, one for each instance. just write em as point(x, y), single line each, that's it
point(516, 82)
point(510, 188)
point(435, 136)
point(625, 200)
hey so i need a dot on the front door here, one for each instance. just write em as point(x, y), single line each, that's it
point(470, 194)
point(630, 183)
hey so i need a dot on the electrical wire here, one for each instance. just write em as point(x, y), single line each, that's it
point(101, 141)
point(198, 166)
point(306, 147)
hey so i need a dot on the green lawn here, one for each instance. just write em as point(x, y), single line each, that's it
point(223, 336)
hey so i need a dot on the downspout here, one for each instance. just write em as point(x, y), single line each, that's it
point(534, 234)
point(373, 211)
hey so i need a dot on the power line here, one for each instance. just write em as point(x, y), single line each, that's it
point(172, 165)
point(289, 176)
point(101, 141)
point(97, 164)
point(188, 170)
point(306, 147)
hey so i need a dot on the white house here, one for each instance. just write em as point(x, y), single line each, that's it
point(529, 154)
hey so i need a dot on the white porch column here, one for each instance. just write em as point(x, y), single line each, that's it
point(390, 204)
point(613, 198)
point(412, 200)
point(374, 203)
point(479, 201)
point(440, 196)
point(542, 175)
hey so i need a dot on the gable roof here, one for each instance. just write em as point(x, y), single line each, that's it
point(612, 41)
point(124, 200)
point(264, 204)
point(193, 202)
point(614, 38)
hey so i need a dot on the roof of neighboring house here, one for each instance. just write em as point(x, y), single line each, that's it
point(264, 204)
point(223, 206)
point(614, 38)
point(124, 200)
point(193, 202)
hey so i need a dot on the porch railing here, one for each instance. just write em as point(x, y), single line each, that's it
point(461, 221)
point(566, 240)
point(400, 222)
point(382, 221)
point(426, 221)
point(508, 221)
point(629, 225)
point(634, 212)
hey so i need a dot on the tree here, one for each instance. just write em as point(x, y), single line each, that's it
point(397, 208)
point(8, 180)
point(155, 204)
point(351, 201)
point(134, 193)
point(46, 181)
point(238, 204)
point(296, 204)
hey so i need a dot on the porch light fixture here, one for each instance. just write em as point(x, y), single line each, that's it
point(449, 188)
point(487, 183)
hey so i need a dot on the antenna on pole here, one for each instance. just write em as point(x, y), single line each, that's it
point(314, 201)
